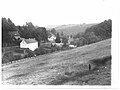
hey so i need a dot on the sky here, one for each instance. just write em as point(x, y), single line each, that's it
point(48, 13)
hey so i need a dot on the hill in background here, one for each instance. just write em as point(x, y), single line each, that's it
point(72, 29)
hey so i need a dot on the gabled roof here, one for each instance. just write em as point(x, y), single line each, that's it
point(30, 40)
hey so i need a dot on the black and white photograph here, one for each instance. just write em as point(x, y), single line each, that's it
point(56, 42)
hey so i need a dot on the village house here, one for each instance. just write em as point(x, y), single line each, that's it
point(70, 40)
point(32, 44)
point(72, 46)
point(51, 38)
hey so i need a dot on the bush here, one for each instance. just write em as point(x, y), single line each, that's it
point(30, 53)
point(53, 49)
point(40, 51)
point(66, 48)
point(48, 50)
point(5, 59)
point(8, 57)
point(17, 57)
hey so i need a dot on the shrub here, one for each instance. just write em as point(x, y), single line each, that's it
point(5, 59)
point(65, 48)
point(55, 48)
point(8, 57)
point(40, 51)
point(30, 53)
point(48, 50)
point(17, 57)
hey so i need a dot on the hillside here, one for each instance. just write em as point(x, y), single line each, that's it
point(66, 67)
point(72, 29)
point(102, 30)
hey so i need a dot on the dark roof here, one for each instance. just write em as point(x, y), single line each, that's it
point(30, 40)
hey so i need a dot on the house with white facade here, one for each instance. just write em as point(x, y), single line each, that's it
point(70, 40)
point(52, 38)
point(72, 46)
point(32, 44)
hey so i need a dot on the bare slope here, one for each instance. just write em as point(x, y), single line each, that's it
point(65, 67)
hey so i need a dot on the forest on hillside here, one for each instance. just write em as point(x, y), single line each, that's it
point(94, 33)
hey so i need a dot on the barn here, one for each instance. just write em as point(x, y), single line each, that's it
point(32, 44)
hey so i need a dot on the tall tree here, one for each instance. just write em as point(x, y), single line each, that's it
point(64, 41)
point(7, 26)
point(57, 40)
point(53, 31)
point(41, 34)
point(27, 31)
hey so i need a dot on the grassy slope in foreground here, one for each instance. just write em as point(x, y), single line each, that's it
point(65, 67)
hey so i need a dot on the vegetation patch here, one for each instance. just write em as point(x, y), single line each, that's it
point(99, 75)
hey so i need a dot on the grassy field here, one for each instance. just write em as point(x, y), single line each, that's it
point(68, 67)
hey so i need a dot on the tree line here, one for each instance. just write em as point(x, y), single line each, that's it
point(25, 31)
point(94, 33)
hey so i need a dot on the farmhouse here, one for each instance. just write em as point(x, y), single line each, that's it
point(32, 44)
point(51, 38)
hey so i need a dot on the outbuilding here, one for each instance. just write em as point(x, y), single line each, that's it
point(32, 44)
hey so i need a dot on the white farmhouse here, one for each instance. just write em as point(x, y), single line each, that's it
point(52, 38)
point(32, 44)
point(72, 46)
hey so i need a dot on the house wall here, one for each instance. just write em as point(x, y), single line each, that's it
point(31, 46)
point(23, 44)
point(52, 38)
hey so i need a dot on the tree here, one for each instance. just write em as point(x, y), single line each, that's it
point(53, 31)
point(57, 40)
point(41, 34)
point(27, 31)
point(62, 34)
point(7, 26)
point(92, 38)
point(64, 41)
point(71, 36)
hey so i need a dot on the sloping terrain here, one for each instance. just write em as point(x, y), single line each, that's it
point(73, 29)
point(70, 67)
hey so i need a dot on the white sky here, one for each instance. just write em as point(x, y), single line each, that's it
point(56, 12)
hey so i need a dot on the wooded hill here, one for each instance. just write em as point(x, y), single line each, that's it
point(94, 33)
point(72, 29)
